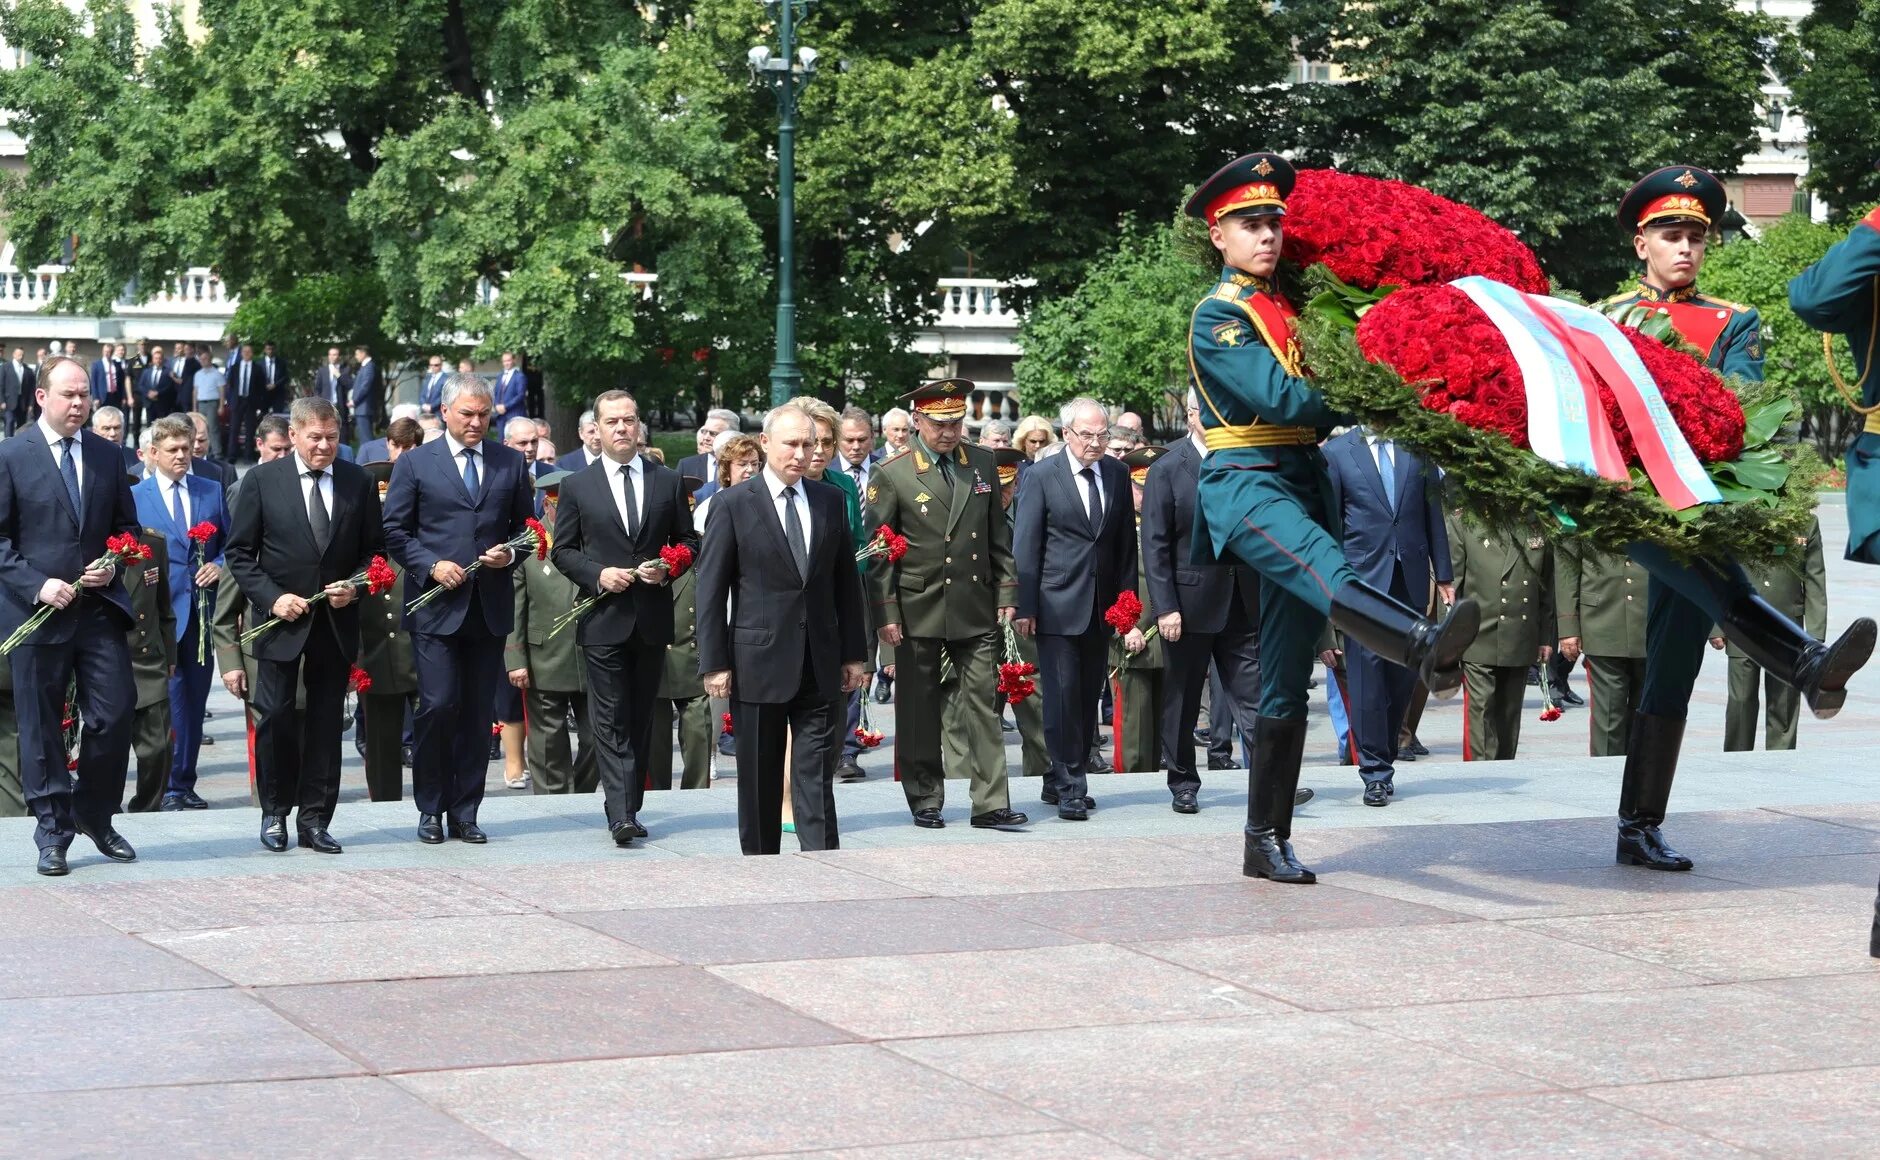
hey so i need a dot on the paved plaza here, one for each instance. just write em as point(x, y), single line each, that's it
point(1472, 976)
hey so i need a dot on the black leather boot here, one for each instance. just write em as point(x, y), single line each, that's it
point(1395, 631)
point(1782, 647)
point(1651, 763)
point(1278, 746)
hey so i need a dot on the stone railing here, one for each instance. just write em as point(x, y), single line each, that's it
point(975, 302)
point(197, 292)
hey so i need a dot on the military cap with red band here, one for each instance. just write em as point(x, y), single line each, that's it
point(943, 400)
point(1255, 185)
point(1676, 193)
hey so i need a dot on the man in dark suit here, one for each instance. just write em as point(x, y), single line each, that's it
point(612, 521)
point(1394, 537)
point(305, 524)
point(781, 633)
point(246, 392)
point(365, 394)
point(183, 368)
point(1075, 541)
point(107, 380)
point(273, 375)
point(18, 378)
point(702, 465)
point(63, 493)
point(431, 391)
point(453, 501)
point(173, 501)
point(156, 388)
point(510, 389)
point(590, 447)
point(333, 382)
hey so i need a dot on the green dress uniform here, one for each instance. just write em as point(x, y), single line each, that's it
point(1797, 585)
point(682, 696)
point(153, 655)
point(1840, 294)
point(945, 593)
point(1265, 500)
point(385, 655)
point(1601, 598)
point(557, 688)
point(1510, 576)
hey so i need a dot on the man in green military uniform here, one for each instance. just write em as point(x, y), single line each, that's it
point(549, 669)
point(1509, 575)
point(1265, 500)
point(944, 599)
point(385, 655)
point(1599, 607)
point(1797, 584)
point(153, 656)
point(681, 692)
point(1136, 658)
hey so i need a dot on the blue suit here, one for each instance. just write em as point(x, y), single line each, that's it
point(457, 641)
point(102, 392)
point(189, 684)
point(509, 390)
point(1394, 538)
point(431, 393)
point(365, 399)
point(374, 451)
point(42, 538)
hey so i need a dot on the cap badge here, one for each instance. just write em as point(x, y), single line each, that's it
point(1264, 168)
point(1687, 180)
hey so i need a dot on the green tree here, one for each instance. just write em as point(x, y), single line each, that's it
point(1540, 113)
point(1839, 94)
point(1756, 272)
point(1122, 336)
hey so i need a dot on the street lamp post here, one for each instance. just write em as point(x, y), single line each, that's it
point(788, 72)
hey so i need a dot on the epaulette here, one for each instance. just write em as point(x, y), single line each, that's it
point(1616, 299)
point(1226, 292)
point(1244, 280)
point(153, 533)
point(901, 454)
point(1713, 300)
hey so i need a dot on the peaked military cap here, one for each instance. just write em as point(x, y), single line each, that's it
point(1255, 185)
point(1138, 461)
point(688, 484)
point(943, 400)
point(550, 479)
point(1676, 193)
point(1008, 459)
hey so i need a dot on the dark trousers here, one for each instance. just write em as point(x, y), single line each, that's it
point(99, 656)
point(623, 684)
point(150, 742)
point(297, 751)
point(189, 699)
point(1072, 670)
point(382, 717)
point(1234, 655)
point(1380, 696)
point(807, 724)
point(1683, 604)
point(457, 678)
point(243, 415)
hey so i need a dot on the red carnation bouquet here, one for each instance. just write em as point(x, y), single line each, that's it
point(886, 544)
point(1015, 674)
point(1123, 614)
point(676, 558)
point(199, 537)
point(358, 680)
point(867, 738)
point(123, 548)
point(724, 725)
point(532, 538)
point(378, 577)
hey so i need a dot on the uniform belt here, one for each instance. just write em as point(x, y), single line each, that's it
point(1259, 435)
point(1873, 423)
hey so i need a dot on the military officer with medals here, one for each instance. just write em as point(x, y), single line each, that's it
point(1669, 214)
point(1265, 499)
point(1136, 688)
point(681, 691)
point(944, 598)
point(547, 668)
point(153, 656)
point(1599, 608)
point(386, 658)
point(1509, 573)
point(1797, 584)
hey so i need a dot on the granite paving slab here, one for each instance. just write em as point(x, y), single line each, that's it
point(34, 912)
point(1245, 906)
point(1040, 1146)
point(1819, 1114)
point(1504, 894)
point(1855, 995)
point(1087, 863)
point(1731, 944)
point(335, 895)
point(653, 884)
point(44, 966)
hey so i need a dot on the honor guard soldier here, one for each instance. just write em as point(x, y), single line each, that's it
point(1599, 610)
point(1669, 214)
point(1797, 585)
point(153, 656)
point(681, 692)
point(1136, 689)
point(548, 669)
point(944, 598)
point(1265, 499)
point(1509, 573)
point(385, 655)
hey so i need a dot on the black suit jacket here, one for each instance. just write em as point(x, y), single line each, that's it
point(42, 539)
point(271, 550)
point(1200, 592)
point(699, 467)
point(1069, 573)
point(590, 536)
point(185, 382)
point(1381, 538)
point(210, 469)
point(757, 615)
point(16, 387)
point(156, 377)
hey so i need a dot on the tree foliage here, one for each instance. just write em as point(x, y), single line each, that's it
point(1839, 93)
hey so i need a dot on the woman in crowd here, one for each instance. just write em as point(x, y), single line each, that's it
point(1033, 435)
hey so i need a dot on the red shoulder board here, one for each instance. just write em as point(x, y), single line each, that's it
point(1274, 317)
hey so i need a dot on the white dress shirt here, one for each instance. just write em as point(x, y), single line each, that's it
point(307, 486)
point(859, 472)
point(801, 500)
point(58, 452)
point(636, 476)
point(456, 459)
point(168, 490)
point(1083, 489)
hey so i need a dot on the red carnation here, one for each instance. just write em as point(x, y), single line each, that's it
point(1123, 615)
point(379, 576)
point(1014, 681)
point(725, 725)
point(678, 558)
point(868, 738)
point(496, 729)
point(127, 548)
point(359, 680)
point(202, 532)
point(541, 537)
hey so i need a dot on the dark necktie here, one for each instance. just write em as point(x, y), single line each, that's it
point(316, 511)
point(470, 479)
point(1387, 471)
point(633, 506)
point(69, 469)
point(245, 380)
point(856, 471)
point(793, 532)
point(1096, 498)
point(176, 506)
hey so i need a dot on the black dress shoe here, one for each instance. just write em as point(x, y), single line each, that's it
point(1302, 795)
point(1049, 797)
point(884, 690)
point(471, 833)
point(430, 829)
point(274, 833)
point(623, 834)
point(112, 845)
point(1185, 802)
point(496, 747)
point(848, 769)
point(1222, 763)
point(172, 803)
point(632, 822)
point(1376, 794)
point(318, 841)
point(1417, 747)
point(929, 820)
point(193, 801)
point(52, 862)
point(1072, 812)
point(1404, 754)
point(404, 755)
point(1007, 819)
point(1566, 696)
